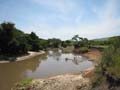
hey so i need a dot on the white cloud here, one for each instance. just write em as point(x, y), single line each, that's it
point(106, 24)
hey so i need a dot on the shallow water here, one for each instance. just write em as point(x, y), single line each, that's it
point(53, 63)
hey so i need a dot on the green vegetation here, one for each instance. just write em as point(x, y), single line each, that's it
point(54, 43)
point(83, 49)
point(81, 45)
point(10, 40)
point(15, 42)
point(79, 42)
point(25, 82)
point(66, 43)
point(68, 49)
point(109, 68)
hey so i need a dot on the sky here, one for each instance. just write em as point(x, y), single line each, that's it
point(63, 18)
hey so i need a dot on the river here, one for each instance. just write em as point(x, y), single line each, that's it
point(42, 66)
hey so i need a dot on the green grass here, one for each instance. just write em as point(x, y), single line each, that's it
point(25, 82)
point(67, 51)
point(83, 49)
point(100, 46)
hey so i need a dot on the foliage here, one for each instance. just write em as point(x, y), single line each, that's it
point(83, 49)
point(54, 43)
point(110, 63)
point(79, 41)
point(66, 43)
point(43, 44)
point(25, 82)
point(9, 42)
point(98, 78)
point(15, 42)
point(111, 58)
point(34, 42)
point(68, 49)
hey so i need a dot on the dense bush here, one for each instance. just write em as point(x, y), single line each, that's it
point(110, 65)
point(83, 49)
point(54, 43)
point(9, 42)
point(15, 42)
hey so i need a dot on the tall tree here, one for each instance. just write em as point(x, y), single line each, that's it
point(6, 36)
point(12, 40)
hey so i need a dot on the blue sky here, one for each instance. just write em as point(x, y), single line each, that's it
point(63, 18)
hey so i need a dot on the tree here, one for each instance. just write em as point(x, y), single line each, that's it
point(34, 42)
point(6, 36)
point(77, 38)
point(85, 42)
point(33, 36)
point(12, 40)
point(54, 43)
point(79, 41)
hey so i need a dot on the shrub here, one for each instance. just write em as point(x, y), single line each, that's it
point(83, 49)
point(110, 66)
point(111, 62)
point(25, 82)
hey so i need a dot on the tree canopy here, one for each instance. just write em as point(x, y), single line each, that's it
point(13, 41)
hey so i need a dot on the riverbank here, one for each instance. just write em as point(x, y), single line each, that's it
point(93, 55)
point(59, 82)
point(25, 57)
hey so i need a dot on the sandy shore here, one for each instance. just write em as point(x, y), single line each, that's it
point(59, 82)
point(21, 58)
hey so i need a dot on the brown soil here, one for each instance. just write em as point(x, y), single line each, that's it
point(89, 72)
point(93, 55)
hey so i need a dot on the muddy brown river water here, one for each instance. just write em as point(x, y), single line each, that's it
point(53, 63)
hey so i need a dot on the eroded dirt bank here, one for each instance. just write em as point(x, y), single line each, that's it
point(93, 55)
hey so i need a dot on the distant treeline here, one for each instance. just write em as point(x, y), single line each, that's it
point(14, 41)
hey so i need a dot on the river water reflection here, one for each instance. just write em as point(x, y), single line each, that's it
point(53, 63)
